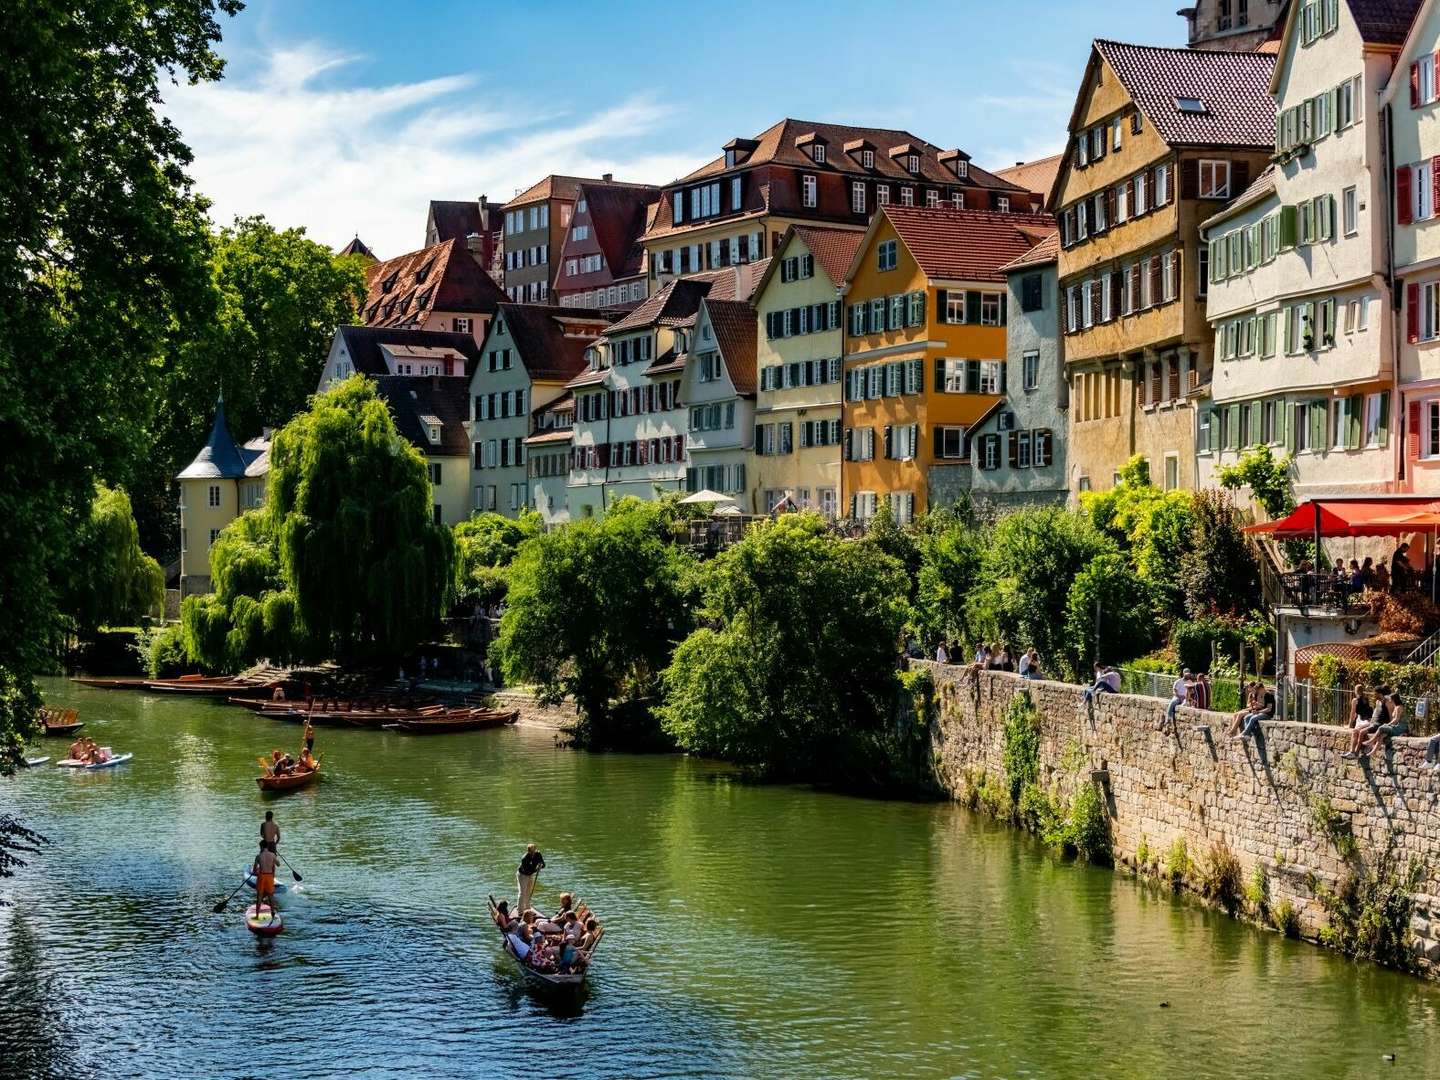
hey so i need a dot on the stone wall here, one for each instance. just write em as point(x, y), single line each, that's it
point(1163, 782)
point(534, 714)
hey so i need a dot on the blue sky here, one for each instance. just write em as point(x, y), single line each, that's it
point(348, 117)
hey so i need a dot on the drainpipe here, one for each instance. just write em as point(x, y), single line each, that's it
point(1387, 155)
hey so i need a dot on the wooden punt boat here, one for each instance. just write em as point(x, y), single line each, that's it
point(135, 683)
point(290, 781)
point(205, 684)
point(61, 721)
point(552, 981)
point(462, 720)
point(379, 718)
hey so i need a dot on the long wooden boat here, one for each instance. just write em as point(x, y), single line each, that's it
point(61, 721)
point(464, 720)
point(210, 685)
point(552, 981)
point(135, 683)
point(290, 781)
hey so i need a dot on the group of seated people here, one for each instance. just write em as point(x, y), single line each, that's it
point(85, 750)
point(1376, 717)
point(560, 944)
point(283, 763)
point(1259, 707)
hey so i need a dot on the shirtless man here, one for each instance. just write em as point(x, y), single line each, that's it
point(264, 871)
point(269, 830)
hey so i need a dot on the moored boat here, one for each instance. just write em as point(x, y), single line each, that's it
point(130, 683)
point(61, 721)
point(461, 720)
point(288, 781)
point(208, 684)
point(264, 921)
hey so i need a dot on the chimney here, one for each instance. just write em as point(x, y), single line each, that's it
point(484, 203)
point(607, 177)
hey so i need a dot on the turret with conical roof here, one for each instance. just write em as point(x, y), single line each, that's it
point(220, 458)
point(221, 483)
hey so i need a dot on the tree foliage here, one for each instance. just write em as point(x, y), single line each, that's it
point(951, 556)
point(1218, 573)
point(1267, 477)
point(1153, 527)
point(594, 610)
point(1107, 613)
point(485, 546)
point(101, 266)
point(111, 582)
point(793, 671)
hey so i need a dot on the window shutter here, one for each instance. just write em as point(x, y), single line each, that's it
point(1434, 183)
point(1412, 432)
point(1288, 410)
point(1278, 435)
point(1062, 308)
point(942, 298)
point(1412, 313)
point(1352, 421)
point(1255, 414)
point(1117, 293)
point(1287, 227)
point(1012, 449)
point(939, 443)
point(1004, 374)
point(1110, 201)
point(1404, 200)
point(1174, 272)
point(1384, 419)
point(1319, 416)
point(972, 308)
point(889, 441)
point(1414, 86)
point(972, 376)
point(939, 375)
point(1189, 179)
point(1004, 308)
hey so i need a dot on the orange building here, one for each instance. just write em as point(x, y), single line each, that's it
point(925, 315)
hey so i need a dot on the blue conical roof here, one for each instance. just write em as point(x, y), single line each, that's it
point(221, 458)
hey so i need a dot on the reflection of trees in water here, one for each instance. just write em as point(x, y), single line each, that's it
point(31, 1029)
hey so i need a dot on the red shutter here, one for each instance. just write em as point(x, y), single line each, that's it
point(1412, 432)
point(1414, 86)
point(1435, 185)
point(1130, 198)
point(1404, 201)
point(1412, 313)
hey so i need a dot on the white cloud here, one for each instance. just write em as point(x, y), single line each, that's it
point(289, 144)
point(1043, 97)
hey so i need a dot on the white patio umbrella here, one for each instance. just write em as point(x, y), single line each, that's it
point(729, 511)
point(705, 498)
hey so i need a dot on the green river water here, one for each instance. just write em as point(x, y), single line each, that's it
point(752, 931)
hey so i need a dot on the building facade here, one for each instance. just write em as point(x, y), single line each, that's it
point(221, 483)
point(800, 349)
point(736, 208)
point(718, 390)
point(479, 226)
point(430, 414)
point(601, 263)
point(1234, 25)
point(925, 313)
point(1160, 139)
point(529, 354)
point(377, 351)
point(441, 288)
point(1299, 289)
point(548, 457)
point(1017, 450)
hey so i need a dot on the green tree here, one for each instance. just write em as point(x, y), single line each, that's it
point(1154, 527)
point(1267, 477)
point(901, 544)
point(1026, 572)
point(1108, 613)
point(101, 266)
point(593, 612)
point(277, 298)
point(793, 673)
point(112, 581)
point(951, 555)
point(1218, 573)
point(485, 546)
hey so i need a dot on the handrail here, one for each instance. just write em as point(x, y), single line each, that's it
point(1426, 651)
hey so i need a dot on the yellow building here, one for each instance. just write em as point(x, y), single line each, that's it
point(221, 483)
point(925, 315)
point(801, 345)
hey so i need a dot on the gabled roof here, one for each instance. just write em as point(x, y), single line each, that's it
point(1044, 253)
point(556, 186)
point(734, 324)
point(674, 305)
point(1037, 176)
point(1382, 22)
point(414, 401)
point(834, 249)
point(961, 245)
point(220, 458)
point(443, 277)
point(551, 341)
point(356, 247)
point(1233, 88)
point(617, 216)
point(455, 219)
point(363, 344)
point(1415, 42)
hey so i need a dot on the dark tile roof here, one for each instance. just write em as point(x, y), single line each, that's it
point(447, 399)
point(1384, 22)
point(1233, 87)
point(356, 247)
point(967, 245)
point(219, 458)
point(443, 277)
point(617, 217)
point(1262, 187)
point(734, 325)
point(834, 249)
point(556, 186)
point(1045, 252)
point(455, 219)
point(363, 344)
point(551, 341)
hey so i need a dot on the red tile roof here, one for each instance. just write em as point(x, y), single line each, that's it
point(455, 219)
point(551, 341)
point(834, 249)
point(966, 245)
point(617, 217)
point(1232, 87)
point(1045, 252)
point(1037, 176)
point(734, 325)
point(405, 290)
point(556, 186)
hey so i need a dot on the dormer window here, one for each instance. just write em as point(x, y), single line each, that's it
point(1192, 105)
point(817, 153)
point(867, 158)
point(912, 162)
point(962, 168)
point(580, 206)
point(592, 358)
point(499, 327)
point(433, 429)
point(729, 159)
point(390, 282)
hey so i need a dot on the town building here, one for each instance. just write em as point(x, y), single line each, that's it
point(1235, 25)
point(925, 314)
point(548, 456)
point(537, 221)
point(221, 483)
point(718, 389)
point(478, 225)
point(1018, 448)
point(800, 351)
point(359, 248)
point(1411, 101)
point(1298, 266)
point(601, 262)
point(441, 287)
point(736, 208)
point(431, 414)
point(529, 354)
point(381, 350)
point(1037, 176)
point(1160, 139)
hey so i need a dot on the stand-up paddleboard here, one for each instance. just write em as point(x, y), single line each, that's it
point(265, 922)
point(31, 762)
point(282, 889)
point(118, 759)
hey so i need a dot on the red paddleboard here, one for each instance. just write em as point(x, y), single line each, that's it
point(265, 922)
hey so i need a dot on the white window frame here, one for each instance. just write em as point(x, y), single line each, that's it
point(808, 190)
point(1030, 369)
point(1212, 169)
point(1350, 211)
point(857, 196)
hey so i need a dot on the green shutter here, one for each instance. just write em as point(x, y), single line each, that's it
point(1214, 440)
point(1319, 428)
point(1385, 419)
point(1289, 330)
point(1287, 410)
point(1287, 227)
point(1256, 412)
point(1278, 435)
point(1353, 421)
point(1233, 435)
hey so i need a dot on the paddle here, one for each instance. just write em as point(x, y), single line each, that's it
point(221, 905)
point(292, 869)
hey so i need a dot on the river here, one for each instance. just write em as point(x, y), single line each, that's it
point(752, 931)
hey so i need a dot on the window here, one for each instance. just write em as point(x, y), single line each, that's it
point(857, 197)
point(990, 452)
point(1214, 179)
point(1030, 370)
point(867, 158)
point(932, 198)
point(991, 309)
point(1342, 412)
point(1162, 185)
point(462, 326)
point(214, 494)
point(887, 255)
point(807, 190)
point(1350, 211)
point(817, 152)
point(907, 196)
point(736, 190)
point(1424, 316)
point(882, 194)
point(950, 443)
point(912, 163)
point(214, 535)
point(1172, 472)
point(1116, 127)
point(1002, 204)
point(1032, 292)
point(1375, 420)
point(1431, 430)
point(957, 201)
point(1190, 105)
point(992, 376)
point(1422, 79)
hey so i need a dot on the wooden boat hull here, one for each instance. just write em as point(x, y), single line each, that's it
point(288, 782)
point(548, 981)
point(445, 725)
point(226, 687)
point(265, 922)
point(135, 683)
point(64, 729)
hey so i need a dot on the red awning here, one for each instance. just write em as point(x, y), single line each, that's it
point(1358, 517)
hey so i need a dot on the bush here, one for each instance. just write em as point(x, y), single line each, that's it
point(1285, 919)
point(163, 652)
point(1221, 879)
point(1218, 573)
point(1088, 826)
point(1257, 893)
point(1198, 641)
point(1369, 912)
point(1022, 746)
point(1177, 864)
point(1108, 609)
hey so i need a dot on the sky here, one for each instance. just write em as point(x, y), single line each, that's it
point(348, 116)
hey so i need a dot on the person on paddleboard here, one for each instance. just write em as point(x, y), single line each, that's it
point(264, 871)
point(269, 830)
point(530, 866)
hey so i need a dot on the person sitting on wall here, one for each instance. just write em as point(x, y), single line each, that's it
point(1362, 714)
point(1107, 681)
point(1180, 694)
point(1395, 725)
point(1237, 718)
point(1263, 710)
point(942, 654)
point(1030, 665)
point(1432, 754)
point(1200, 692)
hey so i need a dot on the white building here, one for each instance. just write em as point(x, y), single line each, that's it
point(718, 389)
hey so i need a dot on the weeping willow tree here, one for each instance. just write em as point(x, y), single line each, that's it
point(343, 562)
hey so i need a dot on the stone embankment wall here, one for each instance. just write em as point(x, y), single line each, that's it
point(1258, 798)
point(534, 714)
